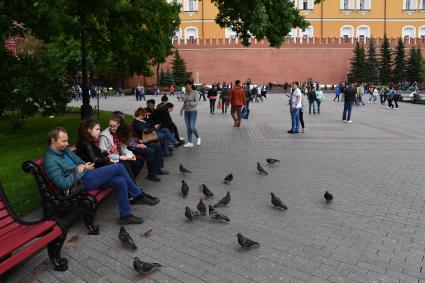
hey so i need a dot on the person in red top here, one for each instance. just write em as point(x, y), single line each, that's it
point(237, 99)
point(172, 89)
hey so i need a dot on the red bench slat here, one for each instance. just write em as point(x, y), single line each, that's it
point(9, 228)
point(6, 221)
point(11, 231)
point(19, 237)
point(35, 246)
point(3, 212)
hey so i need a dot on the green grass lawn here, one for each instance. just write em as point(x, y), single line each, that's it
point(25, 144)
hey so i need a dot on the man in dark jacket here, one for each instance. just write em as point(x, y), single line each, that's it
point(350, 96)
point(311, 100)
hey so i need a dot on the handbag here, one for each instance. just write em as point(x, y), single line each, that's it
point(244, 113)
point(149, 135)
point(219, 105)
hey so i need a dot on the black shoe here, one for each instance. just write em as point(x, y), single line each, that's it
point(180, 143)
point(153, 178)
point(131, 219)
point(163, 172)
point(290, 132)
point(145, 199)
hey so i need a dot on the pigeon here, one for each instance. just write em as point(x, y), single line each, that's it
point(328, 196)
point(184, 188)
point(206, 191)
point(126, 239)
point(277, 202)
point(261, 169)
point(144, 267)
point(217, 215)
point(147, 233)
point(246, 243)
point(272, 160)
point(202, 208)
point(190, 214)
point(224, 201)
point(184, 170)
point(228, 179)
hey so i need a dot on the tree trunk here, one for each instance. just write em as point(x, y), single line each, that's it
point(158, 65)
point(86, 109)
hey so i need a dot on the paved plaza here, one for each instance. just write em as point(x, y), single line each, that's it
point(373, 230)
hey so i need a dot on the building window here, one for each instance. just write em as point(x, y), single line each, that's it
point(363, 5)
point(347, 31)
point(230, 33)
point(292, 33)
point(308, 32)
point(422, 5)
point(409, 32)
point(190, 5)
point(191, 33)
point(363, 31)
point(421, 33)
point(306, 4)
point(346, 5)
point(410, 5)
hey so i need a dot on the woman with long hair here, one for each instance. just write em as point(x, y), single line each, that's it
point(190, 103)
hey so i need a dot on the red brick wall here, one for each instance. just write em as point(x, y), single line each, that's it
point(325, 60)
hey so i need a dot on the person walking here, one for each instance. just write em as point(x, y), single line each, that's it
point(337, 93)
point(203, 91)
point(190, 103)
point(212, 96)
point(311, 100)
point(295, 108)
point(237, 99)
point(171, 90)
point(224, 95)
point(394, 97)
point(350, 96)
point(319, 98)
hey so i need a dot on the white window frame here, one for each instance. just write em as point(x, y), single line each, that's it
point(229, 33)
point(346, 5)
point(310, 5)
point(422, 5)
point(410, 5)
point(190, 6)
point(344, 27)
point(366, 5)
point(293, 33)
point(363, 26)
point(306, 33)
point(186, 33)
point(421, 31)
point(403, 31)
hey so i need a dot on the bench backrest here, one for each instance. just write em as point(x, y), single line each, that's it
point(7, 221)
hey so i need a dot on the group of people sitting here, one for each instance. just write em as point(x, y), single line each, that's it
point(114, 157)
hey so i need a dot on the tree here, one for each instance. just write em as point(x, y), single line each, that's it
point(399, 71)
point(166, 79)
point(271, 19)
point(179, 69)
point(358, 65)
point(385, 62)
point(372, 65)
point(415, 66)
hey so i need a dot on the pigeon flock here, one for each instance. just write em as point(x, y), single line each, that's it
point(201, 210)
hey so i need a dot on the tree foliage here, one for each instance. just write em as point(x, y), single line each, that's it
point(399, 71)
point(271, 19)
point(415, 71)
point(358, 65)
point(179, 69)
point(372, 64)
point(385, 62)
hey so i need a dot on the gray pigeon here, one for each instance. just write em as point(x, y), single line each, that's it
point(261, 169)
point(184, 170)
point(144, 267)
point(272, 160)
point(202, 208)
point(224, 201)
point(126, 239)
point(228, 178)
point(328, 196)
point(206, 191)
point(190, 214)
point(184, 188)
point(246, 243)
point(277, 202)
point(217, 215)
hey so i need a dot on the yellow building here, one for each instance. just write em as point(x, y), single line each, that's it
point(332, 18)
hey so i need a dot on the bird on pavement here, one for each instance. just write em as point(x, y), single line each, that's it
point(202, 208)
point(190, 214)
point(206, 191)
point(184, 188)
point(184, 170)
point(246, 243)
point(328, 196)
point(272, 160)
point(126, 239)
point(144, 267)
point(228, 178)
point(217, 215)
point(277, 202)
point(224, 201)
point(261, 169)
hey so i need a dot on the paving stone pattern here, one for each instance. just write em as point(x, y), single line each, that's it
point(373, 231)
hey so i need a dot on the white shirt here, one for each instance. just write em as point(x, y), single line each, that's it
point(295, 94)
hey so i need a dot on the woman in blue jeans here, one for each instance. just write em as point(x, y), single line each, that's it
point(190, 103)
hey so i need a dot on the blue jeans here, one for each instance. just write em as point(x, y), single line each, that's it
point(166, 132)
point(346, 114)
point(190, 119)
point(295, 117)
point(318, 105)
point(311, 103)
point(113, 176)
point(153, 156)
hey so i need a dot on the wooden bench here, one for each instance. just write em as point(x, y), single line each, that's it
point(21, 239)
point(70, 209)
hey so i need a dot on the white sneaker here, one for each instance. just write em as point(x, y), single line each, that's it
point(182, 139)
point(198, 141)
point(344, 121)
point(349, 121)
point(396, 108)
point(189, 144)
point(388, 107)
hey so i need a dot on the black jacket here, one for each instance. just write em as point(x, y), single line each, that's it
point(350, 94)
point(311, 96)
point(89, 152)
point(140, 126)
point(161, 116)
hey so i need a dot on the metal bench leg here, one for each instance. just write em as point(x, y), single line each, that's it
point(88, 205)
point(54, 250)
